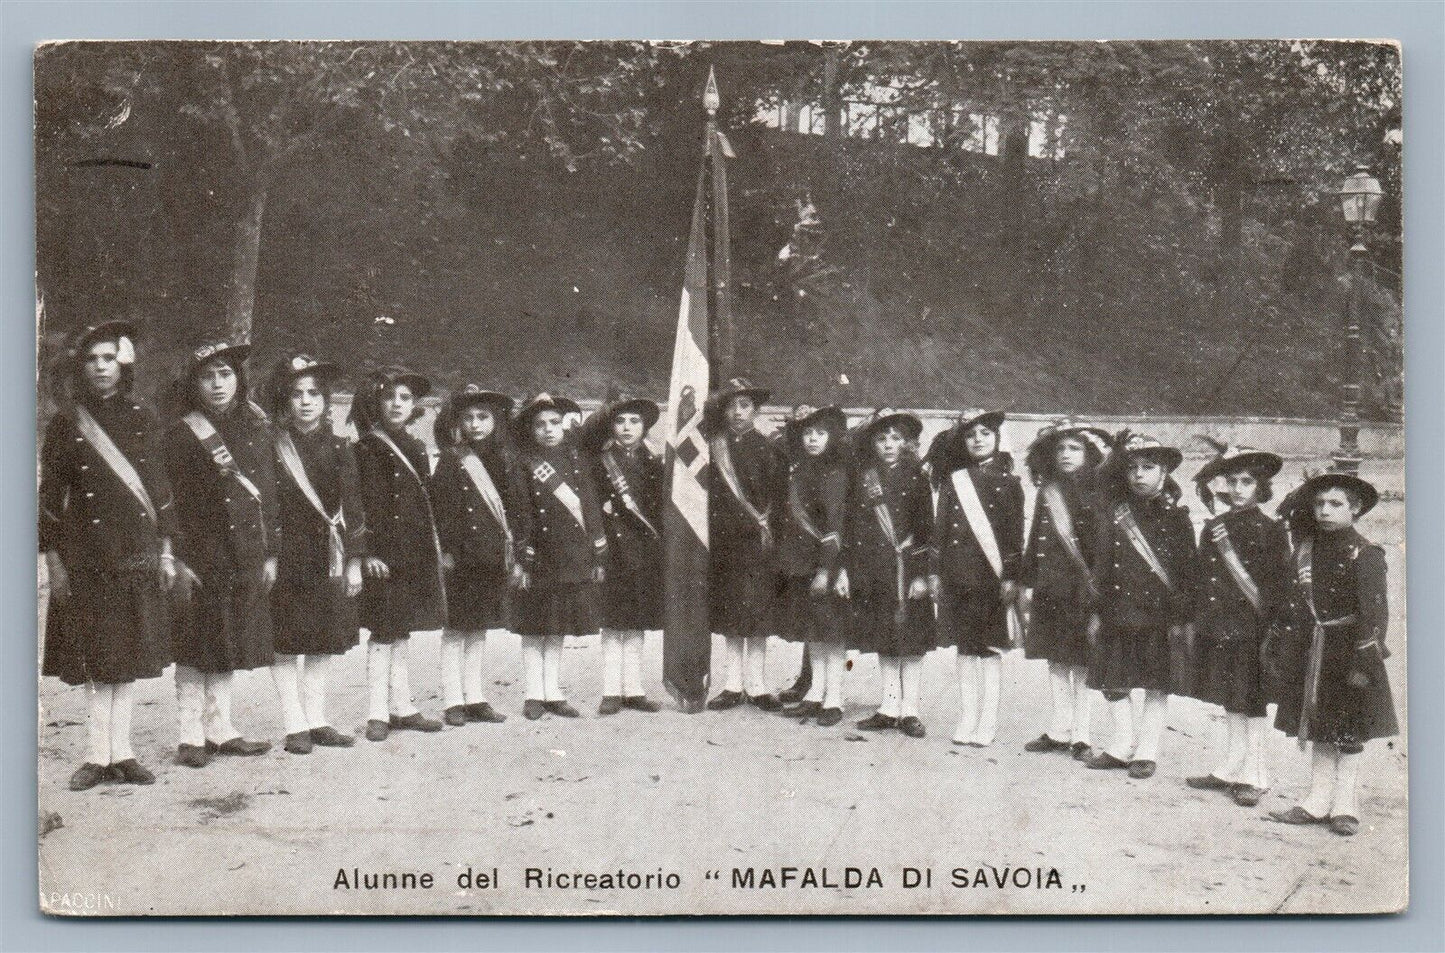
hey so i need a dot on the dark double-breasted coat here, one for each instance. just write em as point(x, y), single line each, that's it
point(879, 622)
point(1226, 663)
point(1348, 573)
point(310, 610)
point(741, 577)
point(559, 553)
point(1136, 607)
point(820, 487)
point(225, 536)
point(632, 592)
point(972, 616)
point(1062, 597)
point(113, 628)
point(473, 537)
point(402, 534)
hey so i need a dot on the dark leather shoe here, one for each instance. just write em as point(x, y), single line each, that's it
point(532, 709)
point(725, 700)
point(299, 742)
point(1141, 769)
point(912, 727)
point(1247, 795)
point(878, 722)
point(828, 717)
point(131, 771)
point(611, 705)
point(192, 756)
point(1081, 751)
point(562, 708)
point(1345, 825)
point(804, 709)
point(1297, 815)
point(377, 730)
point(1210, 782)
point(416, 721)
point(795, 692)
point(88, 775)
point(329, 737)
point(1043, 743)
point(240, 748)
point(765, 702)
point(641, 703)
point(1104, 761)
point(456, 716)
point(483, 711)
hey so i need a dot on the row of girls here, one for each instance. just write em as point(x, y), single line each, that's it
point(241, 537)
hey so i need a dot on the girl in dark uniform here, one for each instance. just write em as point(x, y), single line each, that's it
point(978, 546)
point(402, 592)
point(323, 540)
point(561, 549)
point(887, 532)
point(628, 477)
point(810, 542)
point(106, 522)
point(1058, 593)
point(469, 491)
point(220, 458)
point(1145, 580)
point(1332, 688)
point(1244, 571)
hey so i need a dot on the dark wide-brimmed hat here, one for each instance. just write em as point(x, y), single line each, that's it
point(830, 418)
point(907, 424)
point(1040, 457)
point(119, 330)
point(366, 405)
point(597, 429)
point(288, 370)
point(992, 419)
point(471, 395)
point(1262, 463)
point(233, 353)
point(1338, 480)
point(1142, 445)
point(543, 401)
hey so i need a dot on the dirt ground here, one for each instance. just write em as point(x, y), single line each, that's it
point(691, 795)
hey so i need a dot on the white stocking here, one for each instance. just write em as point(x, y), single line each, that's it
point(1347, 770)
point(992, 667)
point(1232, 768)
point(1156, 709)
point(733, 663)
point(611, 663)
point(755, 649)
point(1121, 745)
point(454, 646)
point(968, 677)
point(632, 664)
point(1061, 692)
point(99, 698)
point(120, 709)
point(378, 680)
point(552, 668)
point(1322, 779)
point(532, 667)
point(401, 703)
point(890, 670)
point(836, 656)
point(1083, 704)
point(473, 657)
point(313, 689)
point(1256, 768)
point(190, 705)
point(910, 680)
point(818, 667)
point(217, 714)
point(285, 673)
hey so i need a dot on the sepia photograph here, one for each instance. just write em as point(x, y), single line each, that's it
point(642, 478)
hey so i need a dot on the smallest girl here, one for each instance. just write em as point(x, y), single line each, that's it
point(809, 546)
point(561, 549)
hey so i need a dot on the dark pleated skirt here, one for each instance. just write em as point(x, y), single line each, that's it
point(476, 597)
point(740, 598)
point(1058, 631)
point(875, 627)
point(113, 628)
point(1344, 715)
point(226, 625)
point(313, 616)
point(1225, 670)
point(632, 599)
point(548, 609)
point(1128, 657)
point(975, 621)
point(803, 617)
point(410, 600)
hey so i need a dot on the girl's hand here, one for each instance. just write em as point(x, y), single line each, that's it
point(518, 579)
point(59, 578)
point(1092, 629)
point(374, 568)
point(599, 574)
point(818, 588)
point(353, 577)
point(935, 585)
point(167, 572)
point(268, 572)
point(1008, 591)
point(449, 562)
point(918, 588)
point(840, 587)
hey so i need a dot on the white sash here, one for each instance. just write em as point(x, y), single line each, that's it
point(206, 433)
point(291, 462)
point(96, 436)
point(972, 507)
point(547, 475)
point(482, 481)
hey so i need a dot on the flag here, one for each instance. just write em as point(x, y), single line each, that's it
point(687, 636)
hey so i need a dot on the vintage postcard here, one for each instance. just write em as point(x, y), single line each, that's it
point(641, 478)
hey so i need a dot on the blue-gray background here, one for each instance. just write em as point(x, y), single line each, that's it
point(1420, 26)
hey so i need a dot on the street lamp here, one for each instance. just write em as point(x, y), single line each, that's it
point(1359, 202)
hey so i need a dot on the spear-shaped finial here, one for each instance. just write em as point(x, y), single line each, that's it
point(711, 100)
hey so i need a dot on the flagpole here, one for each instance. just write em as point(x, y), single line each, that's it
point(720, 329)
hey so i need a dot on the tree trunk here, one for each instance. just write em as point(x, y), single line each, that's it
point(241, 299)
point(832, 95)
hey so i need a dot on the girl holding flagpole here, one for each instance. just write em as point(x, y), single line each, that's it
point(323, 541)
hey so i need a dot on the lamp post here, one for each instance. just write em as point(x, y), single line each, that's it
point(1359, 201)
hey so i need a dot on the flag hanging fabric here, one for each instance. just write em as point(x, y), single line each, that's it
point(687, 636)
